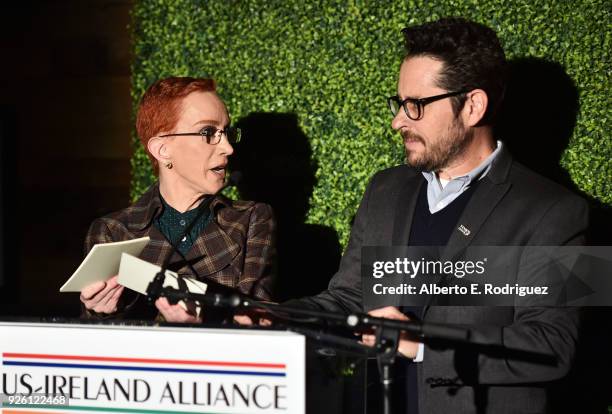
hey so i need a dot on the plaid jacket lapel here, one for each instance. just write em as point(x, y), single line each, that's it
point(212, 251)
point(140, 215)
point(157, 249)
point(138, 220)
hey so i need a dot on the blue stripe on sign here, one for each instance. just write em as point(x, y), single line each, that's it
point(151, 369)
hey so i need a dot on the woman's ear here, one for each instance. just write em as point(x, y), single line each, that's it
point(475, 107)
point(160, 150)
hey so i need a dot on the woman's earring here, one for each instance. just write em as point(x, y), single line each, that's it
point(169, 165)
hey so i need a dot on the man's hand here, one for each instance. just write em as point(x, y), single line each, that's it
point(175, 313)
point(102, 297)
point(406, 347)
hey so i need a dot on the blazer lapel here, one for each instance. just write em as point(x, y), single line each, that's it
point(404, 209)
point(158, 248)
point(487, 195)
point(478, 209)
point(213, 250)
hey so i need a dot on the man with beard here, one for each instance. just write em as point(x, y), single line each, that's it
point(462, 188)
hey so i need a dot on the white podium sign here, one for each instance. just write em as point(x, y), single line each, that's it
point(121, 369)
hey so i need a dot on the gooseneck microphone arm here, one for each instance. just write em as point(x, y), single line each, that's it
point(353, 321)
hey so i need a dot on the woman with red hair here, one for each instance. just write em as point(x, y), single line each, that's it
point(185, 128)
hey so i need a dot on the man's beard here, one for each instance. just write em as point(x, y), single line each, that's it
point(441, 153)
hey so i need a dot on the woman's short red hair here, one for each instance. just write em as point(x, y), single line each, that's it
point(160, 106)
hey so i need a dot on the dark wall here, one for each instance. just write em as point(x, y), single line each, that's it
point(65, 110)
point(3, 137)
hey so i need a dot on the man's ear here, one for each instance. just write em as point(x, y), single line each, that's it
point(475, 107)
point(159, 149)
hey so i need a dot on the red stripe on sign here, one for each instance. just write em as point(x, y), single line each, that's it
point(143, 360)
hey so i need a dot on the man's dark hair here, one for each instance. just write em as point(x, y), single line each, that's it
point(472, 55)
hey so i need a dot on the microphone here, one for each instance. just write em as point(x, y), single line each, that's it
point(218, 300)
point(156, 286)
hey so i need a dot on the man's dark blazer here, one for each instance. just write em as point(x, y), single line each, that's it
point(511, 206)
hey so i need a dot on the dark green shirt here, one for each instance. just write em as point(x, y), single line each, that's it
point(172, 224)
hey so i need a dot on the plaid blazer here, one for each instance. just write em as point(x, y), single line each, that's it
point(236, 249)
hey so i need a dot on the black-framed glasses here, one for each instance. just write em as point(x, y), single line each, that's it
point(212, 135)
point(414, 107)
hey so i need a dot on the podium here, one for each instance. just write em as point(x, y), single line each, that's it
point(150, 369)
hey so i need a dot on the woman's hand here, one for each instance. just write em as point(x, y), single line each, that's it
point(252, 318)
point(175, 313)
point(102, 297)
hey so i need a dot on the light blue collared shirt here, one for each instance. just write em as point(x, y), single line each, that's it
point(439, 195)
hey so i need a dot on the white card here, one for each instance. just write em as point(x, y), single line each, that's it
point(136, 274)
point(102, 263)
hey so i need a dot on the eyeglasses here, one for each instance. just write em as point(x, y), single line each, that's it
point(414, 107)
point(212, 135)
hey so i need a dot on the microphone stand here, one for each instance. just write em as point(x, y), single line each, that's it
point(387, 330)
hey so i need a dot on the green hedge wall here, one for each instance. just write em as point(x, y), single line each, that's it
point(332, 63)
